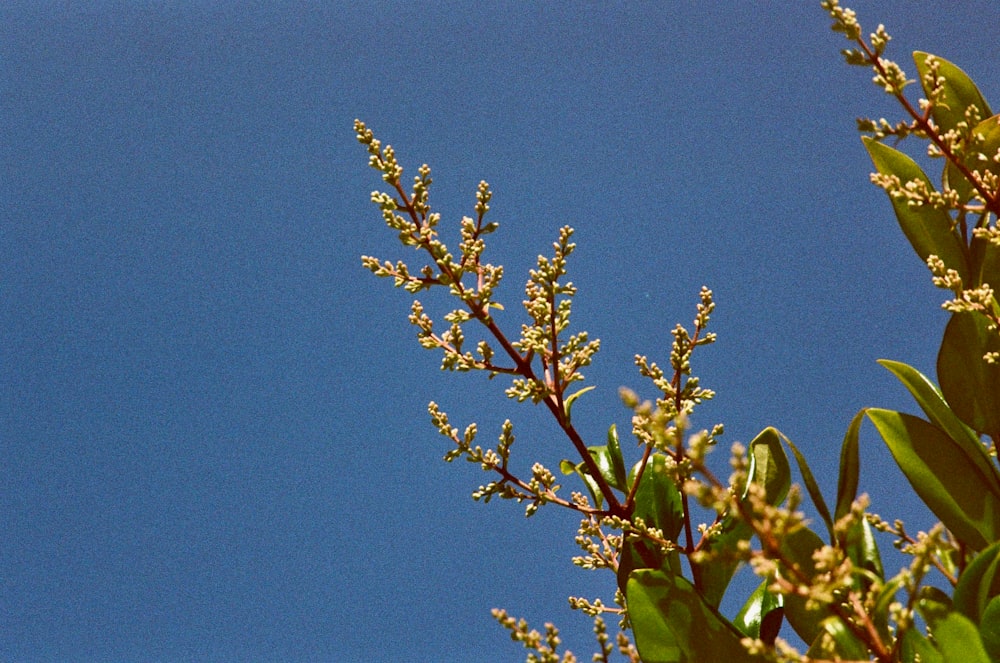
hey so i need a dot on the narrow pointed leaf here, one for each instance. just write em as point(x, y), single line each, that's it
point(568, 402)
point(945, 478)
point(617, 460)
point(928, 229)
point(932, 402)
point(850, 468)
point(672, 624)
point(969, 384)
point(811, 486)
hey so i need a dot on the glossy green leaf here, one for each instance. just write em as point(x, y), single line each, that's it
point(769, 467)
point(985, 258)
point(958, 639)
point(568, 467)
point(672, 624)
point(659, 504)
point(979, 583)
point(989, 628)
point(928, 229)
point(969, 384)
point(760, 617)
point(862, 549)
point(932, 402)
point(617, 460)
point(850, 468)
point(811, 486)
point(657, 500)
point(958, 92)
point(942, 474)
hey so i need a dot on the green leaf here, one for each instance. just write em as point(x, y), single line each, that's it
point(885, 598)
point(862, 549)
point(969, 384)
point(942, 474)
point(850, 468)
point(958, 640)
point(659, 504)
point(846, 645)
point(769, 467)
point(979, 583)
point(617, 460)
point(932, 402)
point(958, 92)
point(989, 628)
point(798, 547)
point(569, 400)
point(928, 229)
point(657, 500)
point(757, 617)
point(811, 486)
point(916, 647)
point(672, 624)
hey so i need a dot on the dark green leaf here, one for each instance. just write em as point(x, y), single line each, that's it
point(672, 624)
point(916, 647)
point(928, 229)
point(969, 384)
point(942, 474)
point(862, 549)
point(846, 645)
point(753, 617)
point(850, 468)
point(958, 92)
point(880, 613)
point(811, 486)
point(979, 583)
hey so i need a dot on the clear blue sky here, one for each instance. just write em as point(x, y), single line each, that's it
point(213, 435)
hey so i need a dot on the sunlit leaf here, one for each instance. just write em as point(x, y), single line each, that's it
point(672, 624)
point(958, 640)
point(617, 460)
point(916, 647)
point(811, 486)
point(569, 400)
point(928, 229)
point(798, 547)
point(969, 384)
point(942, 474)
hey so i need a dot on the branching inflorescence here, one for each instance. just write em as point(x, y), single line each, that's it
point(641, 523)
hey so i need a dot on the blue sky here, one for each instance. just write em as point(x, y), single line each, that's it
point(213, 422)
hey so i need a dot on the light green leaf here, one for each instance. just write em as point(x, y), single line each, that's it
point(943, 475)
point(958, 92)
point(672, 624)
point(969, 384)
point(928, 229)
point(769, 465)
point(862, 549)
point(916, 647)
point(989, 628)
point(958, 640)
point(569, 400)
